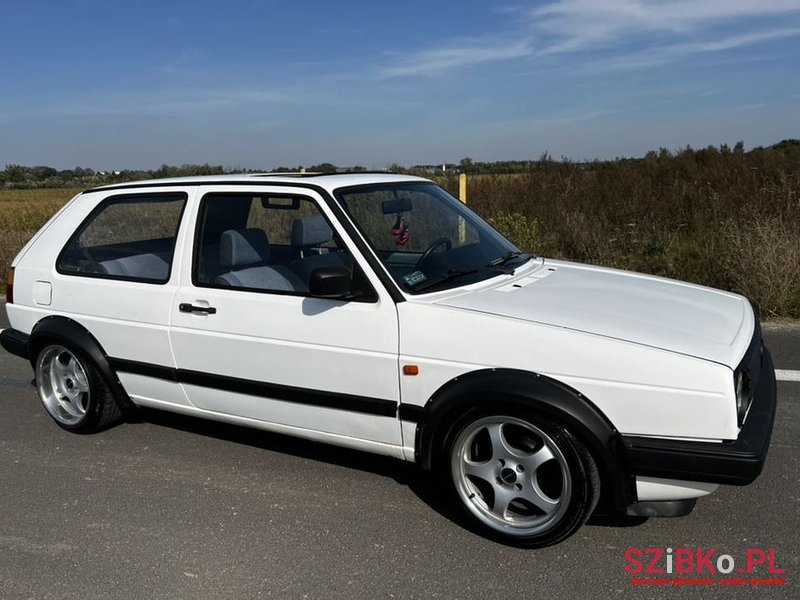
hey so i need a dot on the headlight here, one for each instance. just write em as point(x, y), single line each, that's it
point(742, 397)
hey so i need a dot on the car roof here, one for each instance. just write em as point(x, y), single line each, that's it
point(328, 181)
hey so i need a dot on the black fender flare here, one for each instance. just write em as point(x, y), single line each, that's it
point(69, 332)
point(541, 394)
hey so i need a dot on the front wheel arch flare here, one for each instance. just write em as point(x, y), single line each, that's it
point(489, 388)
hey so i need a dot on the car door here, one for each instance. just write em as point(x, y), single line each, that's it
point(249, 339)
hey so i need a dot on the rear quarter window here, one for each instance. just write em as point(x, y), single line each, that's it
point(129, 237)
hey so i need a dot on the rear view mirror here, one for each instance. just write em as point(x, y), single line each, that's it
point(281, 202)
point(394, 207)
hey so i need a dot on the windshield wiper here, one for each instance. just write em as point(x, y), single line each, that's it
point(508, 257)
point(448, 276)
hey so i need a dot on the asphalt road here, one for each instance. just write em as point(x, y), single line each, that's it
point(174, 507)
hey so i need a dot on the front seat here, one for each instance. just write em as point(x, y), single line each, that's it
point(308, 234)
point(245, 253)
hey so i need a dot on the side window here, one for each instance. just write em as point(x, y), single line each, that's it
point(267, 243)
point(129, 237)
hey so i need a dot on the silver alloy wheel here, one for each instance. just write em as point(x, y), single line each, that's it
point(63, 385)
point(511, 475)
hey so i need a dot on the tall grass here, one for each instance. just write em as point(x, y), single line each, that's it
point(725, 219)
point(22, 213)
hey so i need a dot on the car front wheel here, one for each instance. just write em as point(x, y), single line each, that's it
point(521, 479)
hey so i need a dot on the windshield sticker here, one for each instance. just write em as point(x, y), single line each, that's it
point(414, 278)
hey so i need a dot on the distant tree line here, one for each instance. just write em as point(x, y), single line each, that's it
point(20, 177)
point(789, 147)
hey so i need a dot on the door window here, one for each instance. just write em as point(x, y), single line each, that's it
point(267, 243)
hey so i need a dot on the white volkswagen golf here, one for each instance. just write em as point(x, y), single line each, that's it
point(375, 311)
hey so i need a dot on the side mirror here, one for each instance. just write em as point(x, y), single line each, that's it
point(330, 282)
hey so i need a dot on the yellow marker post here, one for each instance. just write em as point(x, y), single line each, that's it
point(462, 195)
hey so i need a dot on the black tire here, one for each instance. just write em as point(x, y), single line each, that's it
point(567, 485)
point(72, 390)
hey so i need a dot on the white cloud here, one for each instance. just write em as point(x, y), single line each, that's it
point(667, 53)
point(173, 103)
point(632, 33)
point(434, 61)
point(576, 25)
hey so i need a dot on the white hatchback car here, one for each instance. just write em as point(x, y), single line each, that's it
point(377, 312)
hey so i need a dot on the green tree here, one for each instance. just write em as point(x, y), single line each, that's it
point(14, 173)
point(325, 167)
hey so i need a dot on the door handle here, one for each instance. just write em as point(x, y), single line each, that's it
point(190, 308)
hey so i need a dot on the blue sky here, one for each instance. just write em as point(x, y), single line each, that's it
point(262, 83)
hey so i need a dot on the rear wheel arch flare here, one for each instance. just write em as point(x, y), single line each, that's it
point(70, 333)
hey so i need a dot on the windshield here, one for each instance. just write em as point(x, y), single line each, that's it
point(427, 239)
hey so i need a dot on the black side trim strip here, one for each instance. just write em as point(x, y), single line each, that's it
point(412, 412)
point(349, 402)
point(141, 368)
point(362, 404)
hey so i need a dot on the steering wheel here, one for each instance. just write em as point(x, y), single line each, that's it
point(442, 241)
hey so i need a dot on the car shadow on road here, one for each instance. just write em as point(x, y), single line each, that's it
point(422, 483)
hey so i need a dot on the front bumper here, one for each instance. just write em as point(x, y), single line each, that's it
point(737, 462)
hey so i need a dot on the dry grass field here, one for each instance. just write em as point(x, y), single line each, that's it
point(22, 213)
point(727, 220)
point(724, 219)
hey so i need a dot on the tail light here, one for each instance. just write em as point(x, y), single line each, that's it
point(10, 286)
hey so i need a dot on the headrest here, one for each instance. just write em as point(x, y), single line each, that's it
point(243, 247)
point(311, 230)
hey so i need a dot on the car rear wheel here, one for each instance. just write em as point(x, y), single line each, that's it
point(521, 479)
point(72, 391)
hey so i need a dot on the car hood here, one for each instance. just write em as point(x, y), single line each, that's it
point(642, 309)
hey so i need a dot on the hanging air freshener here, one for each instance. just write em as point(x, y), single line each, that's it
point(400, 231)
